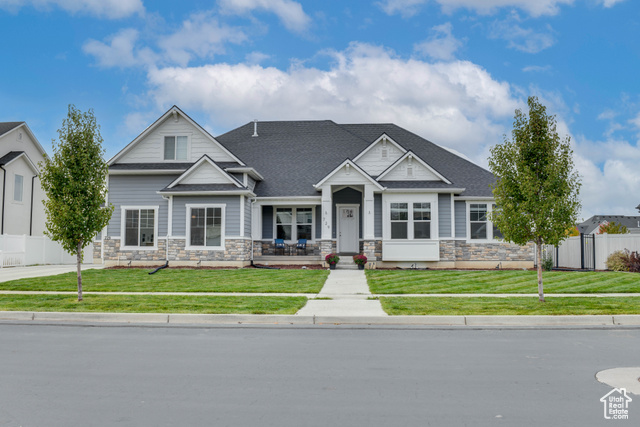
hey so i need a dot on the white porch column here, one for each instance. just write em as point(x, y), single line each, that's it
point(327, 212)
point(368, 213)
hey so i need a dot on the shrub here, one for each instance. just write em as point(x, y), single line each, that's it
point(618, 261)
point(547, 263)
point(634, 262)
point(332, 258)
point(360, 259)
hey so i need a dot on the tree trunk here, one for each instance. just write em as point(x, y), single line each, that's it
point(79, 264)
point(539, 258)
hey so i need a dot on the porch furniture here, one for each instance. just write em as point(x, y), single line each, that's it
point(301, 246)
point(279, 245)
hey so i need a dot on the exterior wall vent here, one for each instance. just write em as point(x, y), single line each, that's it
point(255, 128)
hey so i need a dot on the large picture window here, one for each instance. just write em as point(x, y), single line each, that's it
point(139, 227)
point(205, 226)
point(478, 220)
point(294, 223)
point(175, 147)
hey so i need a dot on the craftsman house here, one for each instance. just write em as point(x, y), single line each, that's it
point(182, 195)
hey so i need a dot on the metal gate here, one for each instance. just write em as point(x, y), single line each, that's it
point(588, 251)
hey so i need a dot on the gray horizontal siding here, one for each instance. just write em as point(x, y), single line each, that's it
point(138, 190)
point(461, 219)
point(232, 212)
point(318, 222)
point(247, 217)
point(444, 215)
point(377, 215)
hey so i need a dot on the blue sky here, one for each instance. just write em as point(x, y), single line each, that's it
point(452, 71)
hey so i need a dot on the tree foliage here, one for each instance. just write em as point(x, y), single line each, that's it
point(74, 180)
point(537, 188)
point(612, 228)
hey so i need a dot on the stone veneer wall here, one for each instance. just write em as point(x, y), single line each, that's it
point(97, 251)
point(499, 251)
point(235, 250)
point(372, 249)
point(461, 250)
point(112, 252)
point(327, 247)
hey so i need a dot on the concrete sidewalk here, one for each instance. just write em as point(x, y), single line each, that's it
point(349, 293)
point(15, 273)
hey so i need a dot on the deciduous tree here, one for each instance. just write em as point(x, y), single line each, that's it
point(537, 187)
point(74, 180)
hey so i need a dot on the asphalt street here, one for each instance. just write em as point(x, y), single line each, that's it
point(103, 375)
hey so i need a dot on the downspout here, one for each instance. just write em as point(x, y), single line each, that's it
point(33, 180)
point(4, 187)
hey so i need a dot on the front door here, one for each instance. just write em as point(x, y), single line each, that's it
point(348, 221)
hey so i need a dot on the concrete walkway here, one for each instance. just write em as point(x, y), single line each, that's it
point(15, 273)
point(349, 293)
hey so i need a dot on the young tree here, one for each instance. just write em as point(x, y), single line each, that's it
point(74, 180)
point(536, 188)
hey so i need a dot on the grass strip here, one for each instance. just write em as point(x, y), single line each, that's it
point(153, 304)
point(178, 280)
point(402, 306)
point(499, 281)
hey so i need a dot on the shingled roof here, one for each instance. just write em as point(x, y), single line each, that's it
point(7, 126)
point(294, 155)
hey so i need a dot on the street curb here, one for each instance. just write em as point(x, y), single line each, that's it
point(275, 319)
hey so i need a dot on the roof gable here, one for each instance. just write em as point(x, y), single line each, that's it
point(379, 155)
point(149, 145)
point(18, 128)
point(205, 171)
point(12, 156)
point(410, 167)
point(348, 173)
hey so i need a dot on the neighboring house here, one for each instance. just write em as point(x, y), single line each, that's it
point(21, 196)
point(592, 225)
point(184, 196)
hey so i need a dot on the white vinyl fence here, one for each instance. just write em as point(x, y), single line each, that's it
point(32, 250)
point(570, 251)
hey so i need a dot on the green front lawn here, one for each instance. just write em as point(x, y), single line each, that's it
point(459, 306)
point(498, 281)
point(154, 304)
point(178, 280)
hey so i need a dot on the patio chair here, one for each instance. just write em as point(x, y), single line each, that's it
point(301, 246)
point(279, 245)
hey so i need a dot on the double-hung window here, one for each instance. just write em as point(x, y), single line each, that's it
point(399, 220)
point(175, 147)
point(497, 234)
point(478, 220)
point(139, 227)
point(422, 220)
point(294, 223)
point(205, 226)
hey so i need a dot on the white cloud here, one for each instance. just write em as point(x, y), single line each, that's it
point(536, 68)
point(256, 58)
point(406, 8)
point(610, 3)
point(112, 9)
point(120, 50)
point(457, 104)
point(441, 45)
point(289, 12)
point(523, 39)
point(201, 36)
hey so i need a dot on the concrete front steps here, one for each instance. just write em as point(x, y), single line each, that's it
point(346, 262)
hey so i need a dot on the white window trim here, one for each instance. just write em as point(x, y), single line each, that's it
point(294, 229)
point(410, 199)
point(489, 238)
point(187, 242)
point(123, 220)
point(188, 135)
